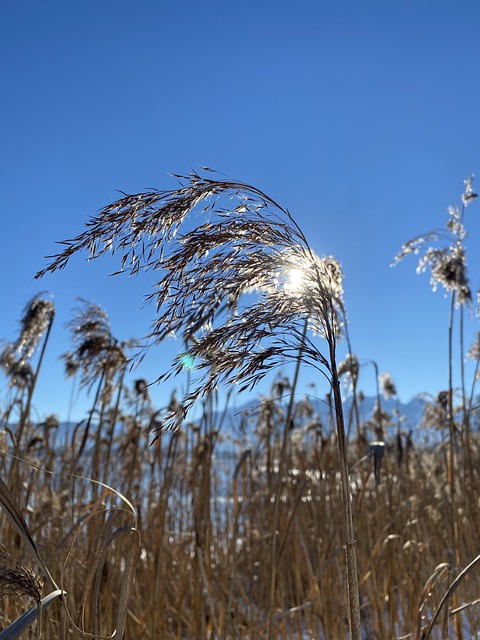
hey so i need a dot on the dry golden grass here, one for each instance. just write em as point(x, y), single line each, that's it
point(205, 525)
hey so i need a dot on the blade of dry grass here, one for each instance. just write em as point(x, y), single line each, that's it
point(18, 523)
point(19, 626)
point(451, 589)
point(127, 582)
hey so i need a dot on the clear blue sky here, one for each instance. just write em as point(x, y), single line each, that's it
point(361, 117)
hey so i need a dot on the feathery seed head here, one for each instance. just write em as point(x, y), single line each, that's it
point(442, 400)
point(51, 422)
point(387, 385)
point(7, 357)
point(350, 367)
point(468, 195)
point(95, 347)
point(71, 363)
point(449, 269)
point(455, 224)
point(474, 351)
point(16, 579)
point(141, 389)
point(307, 275)
point(447, 262)
point(36, 317)
point(280, 385)
point(224, 285)
point(20, 374)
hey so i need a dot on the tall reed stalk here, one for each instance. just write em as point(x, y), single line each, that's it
point(446, 259)
point(35, 327)
point(248, 244)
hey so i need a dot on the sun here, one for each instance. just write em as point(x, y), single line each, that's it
point(295, 280)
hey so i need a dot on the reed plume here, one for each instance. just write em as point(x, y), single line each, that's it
point(16, 579)
point(241, 289)
point(35, 325)
point(444, 253)
point(95, 348)
point(236, 288)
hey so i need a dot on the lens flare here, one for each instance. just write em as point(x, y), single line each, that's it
point(188, 361)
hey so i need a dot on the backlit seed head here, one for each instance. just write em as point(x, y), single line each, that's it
point(36, 317)
point(387, 385)
point(349, 366)
point(468, 195)
point(446, 256)
point(237, 288)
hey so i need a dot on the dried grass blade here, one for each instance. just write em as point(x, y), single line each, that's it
point(20, 625)
point(437, 574)
point(20, 526)
point(127, 582)
point(463, 574)
point(96, 556)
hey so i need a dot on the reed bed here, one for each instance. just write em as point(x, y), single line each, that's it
point(204, 498)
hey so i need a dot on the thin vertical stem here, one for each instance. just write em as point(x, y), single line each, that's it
point(451, 423)
point(465, 409)
point(113, 420)
point(354, 409)
point(379, 403)
point(350, 549)
point(281, 470)
point(474, 383)
point(451, 458)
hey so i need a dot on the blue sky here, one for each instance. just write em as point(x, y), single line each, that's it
point(360, 117)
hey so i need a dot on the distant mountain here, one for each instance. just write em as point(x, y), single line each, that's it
point(406, 415)
point(410, 415)
point(410, 412)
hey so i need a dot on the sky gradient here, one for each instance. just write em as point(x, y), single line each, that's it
point(360, 117)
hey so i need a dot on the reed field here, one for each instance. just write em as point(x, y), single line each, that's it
point(277, 522)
